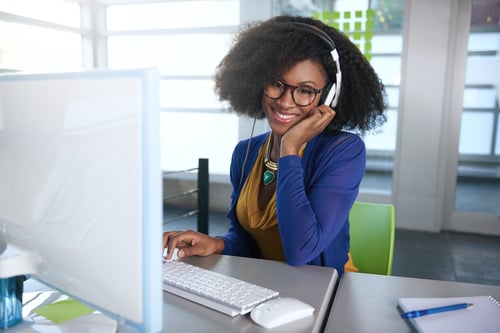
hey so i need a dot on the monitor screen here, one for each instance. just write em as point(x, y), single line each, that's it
point(81, 186)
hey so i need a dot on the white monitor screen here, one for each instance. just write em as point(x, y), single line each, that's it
point(80, 186)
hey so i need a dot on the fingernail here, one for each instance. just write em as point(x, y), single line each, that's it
point(180, 254)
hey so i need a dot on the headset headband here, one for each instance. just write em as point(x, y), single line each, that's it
point(333, 94)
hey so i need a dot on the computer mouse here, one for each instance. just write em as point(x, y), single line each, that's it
point(280, 311)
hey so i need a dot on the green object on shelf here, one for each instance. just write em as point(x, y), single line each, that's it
point(62, 311)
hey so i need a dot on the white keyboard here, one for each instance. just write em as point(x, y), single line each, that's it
point(214, 290)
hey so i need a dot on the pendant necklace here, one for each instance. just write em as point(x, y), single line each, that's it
point(269, 175)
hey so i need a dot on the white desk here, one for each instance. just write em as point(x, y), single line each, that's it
point(312, 284)
point(367, 302)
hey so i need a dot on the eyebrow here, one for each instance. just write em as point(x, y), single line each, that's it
point(303, 83)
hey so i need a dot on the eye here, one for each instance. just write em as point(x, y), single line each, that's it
point(277, 84)
point(305, 90)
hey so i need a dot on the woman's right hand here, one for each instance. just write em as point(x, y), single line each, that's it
point(191, 243)
point(296, 136)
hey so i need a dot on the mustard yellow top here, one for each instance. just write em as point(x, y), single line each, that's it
point(262, 225)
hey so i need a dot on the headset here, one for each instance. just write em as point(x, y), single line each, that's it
point(332, 91)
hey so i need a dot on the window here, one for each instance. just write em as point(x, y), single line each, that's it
point(40, 35)
point(185, 40)
point(479, 145)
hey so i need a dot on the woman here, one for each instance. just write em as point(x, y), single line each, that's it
point(293, 187)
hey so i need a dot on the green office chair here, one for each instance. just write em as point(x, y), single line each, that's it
point(372, 228)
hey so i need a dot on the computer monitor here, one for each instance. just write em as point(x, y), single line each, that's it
point(80, 186)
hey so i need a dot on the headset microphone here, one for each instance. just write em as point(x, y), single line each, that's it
point(248, 150)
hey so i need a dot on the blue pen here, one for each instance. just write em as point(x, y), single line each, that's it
point(420, 313)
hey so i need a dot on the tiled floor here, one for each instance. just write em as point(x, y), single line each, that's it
point(441, 256)
point(447, 256)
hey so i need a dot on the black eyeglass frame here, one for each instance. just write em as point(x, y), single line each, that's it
point(292, 88)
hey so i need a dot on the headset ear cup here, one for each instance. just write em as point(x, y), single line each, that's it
point(325, 93)
point(328, 94)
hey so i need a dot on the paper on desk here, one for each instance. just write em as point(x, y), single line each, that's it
point(483, 317)
point(62, 311)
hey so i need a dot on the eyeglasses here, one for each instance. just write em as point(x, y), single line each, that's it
point(302, 95)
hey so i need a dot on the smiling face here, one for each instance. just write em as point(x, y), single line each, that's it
point(283, 113)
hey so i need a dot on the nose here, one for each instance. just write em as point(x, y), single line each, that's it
point(286, 99)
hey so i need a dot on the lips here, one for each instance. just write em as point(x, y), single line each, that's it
point(283, 117)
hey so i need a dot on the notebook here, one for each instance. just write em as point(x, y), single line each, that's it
point(483, 316)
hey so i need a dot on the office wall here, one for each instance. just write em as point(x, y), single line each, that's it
point(422, 115)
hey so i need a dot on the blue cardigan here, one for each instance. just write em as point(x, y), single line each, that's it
point(314, 195)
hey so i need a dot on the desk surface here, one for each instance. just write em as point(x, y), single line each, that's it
point(367, 302)
point(311, 284)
